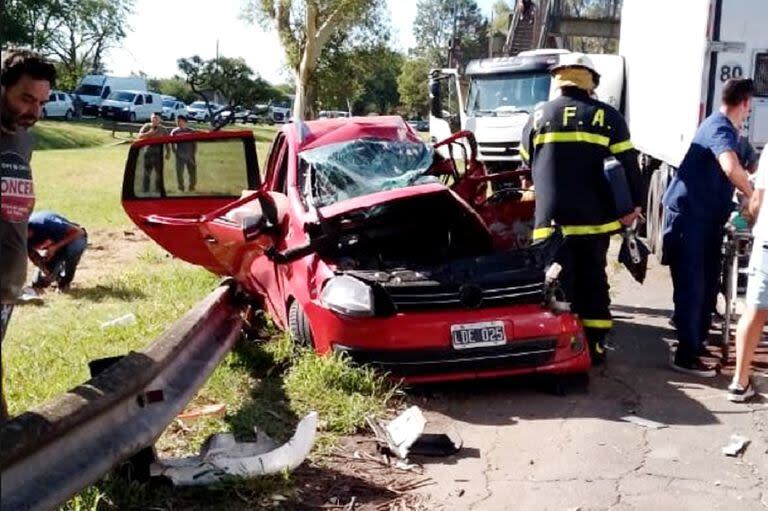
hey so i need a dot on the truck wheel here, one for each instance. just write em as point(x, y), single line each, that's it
point(68, 115)
point(298, 325)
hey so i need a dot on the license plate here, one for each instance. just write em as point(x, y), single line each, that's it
point(478, 335)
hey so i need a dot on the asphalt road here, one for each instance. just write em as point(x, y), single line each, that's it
point(527, 448)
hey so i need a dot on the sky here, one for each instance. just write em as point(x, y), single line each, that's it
point(162, 31)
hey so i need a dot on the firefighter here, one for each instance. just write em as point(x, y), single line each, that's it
point(566, 142)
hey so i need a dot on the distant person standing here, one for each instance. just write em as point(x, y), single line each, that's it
point(185, 155)
point(25, 85)
point(153, 155)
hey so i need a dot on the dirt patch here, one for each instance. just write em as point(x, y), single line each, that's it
point(356, 476)
point(109, 251)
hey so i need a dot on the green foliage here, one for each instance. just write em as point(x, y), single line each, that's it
point(413, 86)
point(439, 21)
point(176, 87)
point(75, 35)
point(501, 13)
point(231, 77)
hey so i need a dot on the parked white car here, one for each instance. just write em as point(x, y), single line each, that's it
point(199, 111)
point(132, 105)
point(173, 108)
point(59, 105)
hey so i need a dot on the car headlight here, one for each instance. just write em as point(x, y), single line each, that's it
point(349, 296)
point(125, 109)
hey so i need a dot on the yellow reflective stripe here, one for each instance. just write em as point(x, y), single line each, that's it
point(524, 154)
point(542, 232)
point(621, 147)
point(599, 349)
point(571, 136)
point(605, 324)
point(582, 230)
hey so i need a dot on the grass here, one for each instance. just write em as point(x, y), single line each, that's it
point(267, 384)
point(69, 135)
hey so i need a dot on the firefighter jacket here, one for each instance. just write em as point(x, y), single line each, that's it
point(566, 142)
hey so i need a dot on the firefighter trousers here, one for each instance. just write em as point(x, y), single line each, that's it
point(585, 284)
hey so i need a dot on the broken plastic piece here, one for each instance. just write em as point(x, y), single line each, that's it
point(222, 457)
point(124, 320)
point(736, 445)
point(646, 423)
point(401, 432)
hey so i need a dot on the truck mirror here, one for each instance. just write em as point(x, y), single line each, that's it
point(434, 98)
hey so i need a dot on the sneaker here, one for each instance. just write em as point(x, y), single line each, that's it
point(695, 368)
point(739, 394)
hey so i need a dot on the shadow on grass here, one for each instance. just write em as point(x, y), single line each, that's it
point(102, 292)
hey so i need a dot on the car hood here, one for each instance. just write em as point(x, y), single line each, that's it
point(112, 102)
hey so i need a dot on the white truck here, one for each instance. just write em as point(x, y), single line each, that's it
point(678, 55)
point(495, 96)
point(93, 89)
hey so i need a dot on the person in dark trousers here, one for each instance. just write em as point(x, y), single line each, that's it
point(55, 246)
point(697, 204)
point(25, 85)
point(186, 153)
point(566, 142)
point(153, 155)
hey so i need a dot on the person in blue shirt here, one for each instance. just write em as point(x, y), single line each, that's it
point(55, 245)
point(697, 204)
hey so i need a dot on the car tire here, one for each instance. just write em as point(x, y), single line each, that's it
point(43, 114)
point(298, 326)
point(132, 117)
point(68, 115)
point(206, 118)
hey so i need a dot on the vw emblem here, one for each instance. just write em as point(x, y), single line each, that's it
point(471, 295)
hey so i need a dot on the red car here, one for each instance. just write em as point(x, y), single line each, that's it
point(366, 240)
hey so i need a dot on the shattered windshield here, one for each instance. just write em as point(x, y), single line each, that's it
point(504, 94)
point(359, 167)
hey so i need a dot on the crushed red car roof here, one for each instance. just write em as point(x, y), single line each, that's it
point(324, 132)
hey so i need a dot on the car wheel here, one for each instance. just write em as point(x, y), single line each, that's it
point(173, 117)
point(206, 119)
point(133, 117)
point(298, 326)
point(68, 115)
point(43, 114)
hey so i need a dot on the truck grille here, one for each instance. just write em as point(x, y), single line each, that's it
point(499, 149)
point(412, 298)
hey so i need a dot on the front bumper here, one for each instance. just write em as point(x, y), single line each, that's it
point(417, 346)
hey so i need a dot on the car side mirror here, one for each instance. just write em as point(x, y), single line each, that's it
point(434, 98)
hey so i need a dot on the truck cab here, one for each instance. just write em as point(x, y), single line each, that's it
point(494, 97)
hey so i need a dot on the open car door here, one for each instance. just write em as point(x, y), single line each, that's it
point(173, 186)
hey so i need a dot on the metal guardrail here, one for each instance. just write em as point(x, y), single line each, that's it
point(51, 452)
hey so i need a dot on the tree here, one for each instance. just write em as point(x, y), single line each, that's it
point(458, 25)
point(231, 77)
point(305, 27)
point(74, 34)
point(413, 85)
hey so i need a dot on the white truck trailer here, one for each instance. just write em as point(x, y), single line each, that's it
point(678, 56)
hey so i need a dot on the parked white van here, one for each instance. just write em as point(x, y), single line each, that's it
point(173, 108)
point(132, 105)
point(59, 104)
point(94, 89)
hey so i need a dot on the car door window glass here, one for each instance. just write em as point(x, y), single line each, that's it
point(274, 154)
point(210, 168)
point(52, 97)
point(281, 176)
point(149, 99)
point(139, 100)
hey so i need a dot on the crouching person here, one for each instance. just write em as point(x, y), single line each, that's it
point(751, 323)
point(55, 246)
